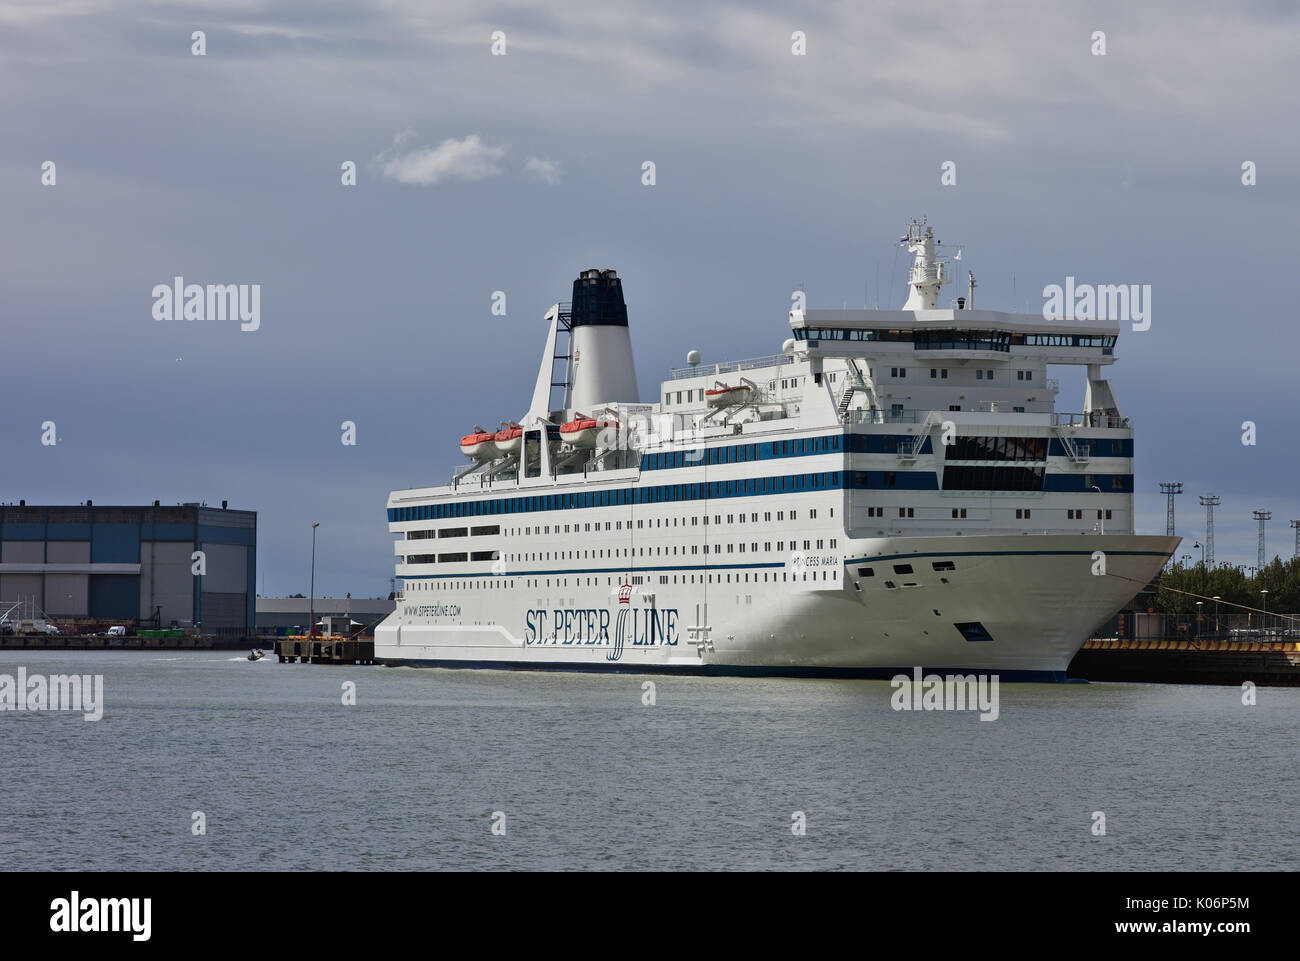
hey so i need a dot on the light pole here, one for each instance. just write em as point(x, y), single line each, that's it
point(1216, 613)
point(1100, 514)
point(312, 614)
point(1263, 595)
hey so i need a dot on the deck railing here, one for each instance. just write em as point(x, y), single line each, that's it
point(728, 367)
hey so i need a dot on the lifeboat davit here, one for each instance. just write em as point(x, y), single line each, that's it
point(480, 445)
point(509, 439)
point(585, 431)
point(724, 396)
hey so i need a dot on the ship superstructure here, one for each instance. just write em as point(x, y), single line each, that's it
point(895, 488)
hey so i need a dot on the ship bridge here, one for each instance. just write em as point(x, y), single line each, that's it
point(952, 335)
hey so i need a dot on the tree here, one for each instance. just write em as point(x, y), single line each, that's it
point(1234, 589)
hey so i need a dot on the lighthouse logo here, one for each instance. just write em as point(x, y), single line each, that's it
point(620, 626)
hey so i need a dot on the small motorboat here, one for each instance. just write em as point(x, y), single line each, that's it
point(480, 445)
point(256, 654)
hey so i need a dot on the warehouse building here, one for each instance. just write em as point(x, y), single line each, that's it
point(87, 566)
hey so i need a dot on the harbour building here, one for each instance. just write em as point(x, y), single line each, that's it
point(87, 567)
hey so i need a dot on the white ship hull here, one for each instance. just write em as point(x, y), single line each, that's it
point(1036, 597)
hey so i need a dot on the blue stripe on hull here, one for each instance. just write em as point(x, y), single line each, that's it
point(723, 670)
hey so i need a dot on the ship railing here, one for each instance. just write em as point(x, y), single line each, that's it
point(1091, 418)
point(1096, 418)
point(877, 416)
point(729, 367)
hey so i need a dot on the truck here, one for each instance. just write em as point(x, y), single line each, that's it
point(37, 625)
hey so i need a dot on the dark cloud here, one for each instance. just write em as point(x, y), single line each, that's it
point(772, 171)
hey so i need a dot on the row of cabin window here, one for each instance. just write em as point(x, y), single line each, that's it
point(941, 373)
point(453, 558)
point(1077, 515)
point(994, 447)
point(657, 522)
point(609, 553)
point(741, 453)
point(959, 513)
point(907, 568)
point(620, 497)
point(955, 339)
point(502, 583)
point(454, 532)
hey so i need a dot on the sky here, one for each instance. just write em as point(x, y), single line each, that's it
point(479, 172)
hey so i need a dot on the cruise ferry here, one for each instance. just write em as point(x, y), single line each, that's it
point(893, 489)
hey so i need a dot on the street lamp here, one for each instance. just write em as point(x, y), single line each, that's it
point(315, 524)
point(1263, 595)
point(1100, 514)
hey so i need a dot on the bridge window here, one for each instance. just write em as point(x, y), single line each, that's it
point(989, 478)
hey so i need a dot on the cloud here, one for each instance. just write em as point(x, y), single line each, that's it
point(451, 161)
point(547, 171)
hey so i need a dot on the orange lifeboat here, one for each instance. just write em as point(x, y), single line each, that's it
point(509, 439)
point(480, 445)
point(584, 431)
point(724, 396)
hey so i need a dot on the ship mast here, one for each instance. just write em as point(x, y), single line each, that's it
point(929, 272)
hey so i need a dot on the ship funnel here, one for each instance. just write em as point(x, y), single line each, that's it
point(603, 371)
